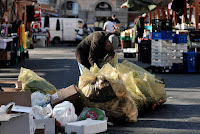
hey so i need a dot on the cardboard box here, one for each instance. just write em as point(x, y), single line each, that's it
point(17, 124)
point(68, 94)
point(45, 126)
point(5, 55)
point(20, 98)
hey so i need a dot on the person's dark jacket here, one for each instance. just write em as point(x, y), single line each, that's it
point(138, 29)
point(178, 7)
point(92, 49)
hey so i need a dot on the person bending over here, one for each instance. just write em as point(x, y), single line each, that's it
point(97, 48)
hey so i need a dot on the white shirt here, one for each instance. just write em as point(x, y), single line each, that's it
point(109, 27)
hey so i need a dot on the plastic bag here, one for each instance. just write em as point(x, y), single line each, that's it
point(93, 113)
point(39, 99)
point(64, 112)
point(39, 112)
point(31, 81)
point(121, 107)
point(146, 89)
point(133, 86)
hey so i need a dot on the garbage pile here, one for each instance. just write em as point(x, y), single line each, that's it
point(114, 92)
point(121, 90)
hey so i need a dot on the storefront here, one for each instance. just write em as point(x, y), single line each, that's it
point(94, 11)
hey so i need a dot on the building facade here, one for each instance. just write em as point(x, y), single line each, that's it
point(94, 12)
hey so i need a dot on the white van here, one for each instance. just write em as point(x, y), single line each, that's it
point(68, 29)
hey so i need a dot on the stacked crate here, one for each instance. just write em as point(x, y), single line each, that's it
point(168, 48)
point(144, 51)
point(162, 50)
point(194, 39)
point(180, 43)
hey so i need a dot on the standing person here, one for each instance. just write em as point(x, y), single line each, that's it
point(138, 28)
point(85, 30)
point(97, 48)
point(48, 36)
point(115, 20)
point(109, 26)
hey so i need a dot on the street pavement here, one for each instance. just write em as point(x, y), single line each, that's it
point(179, 115)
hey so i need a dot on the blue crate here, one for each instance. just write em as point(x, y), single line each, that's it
point(189, 61)
point(181, 38)
point(162, 35)
point(157, 35)
point(173, 39)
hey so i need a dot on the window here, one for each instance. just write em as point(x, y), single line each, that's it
point(103, 6)
point(80, 24)
point(67, 5)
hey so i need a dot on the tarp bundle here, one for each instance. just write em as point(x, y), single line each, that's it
point(131, 86)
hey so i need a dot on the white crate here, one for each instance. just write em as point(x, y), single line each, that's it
point(159, 49)
point(163, 46)
point(129, 50)
point(161, 63)
point(161, 43)
point(179, 54)
point(161, 56)
point(177, 60)
point(88, 126)
point(181, 46)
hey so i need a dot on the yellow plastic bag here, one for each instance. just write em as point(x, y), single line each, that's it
point(144, 87)
point(122, 107)
point(134, 67)
point(31, 81)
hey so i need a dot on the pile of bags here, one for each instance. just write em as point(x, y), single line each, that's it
point(121, 90)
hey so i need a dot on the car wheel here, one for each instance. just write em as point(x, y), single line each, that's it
point(56, 40)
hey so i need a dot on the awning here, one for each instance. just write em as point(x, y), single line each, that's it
point(145, 5)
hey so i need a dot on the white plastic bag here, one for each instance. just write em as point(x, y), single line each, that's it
point(42, 113)
point(39, 99)
point(64, 112)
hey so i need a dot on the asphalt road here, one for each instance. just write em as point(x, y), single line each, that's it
point(179, 115)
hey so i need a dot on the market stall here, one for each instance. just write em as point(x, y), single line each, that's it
point(18, 32)
point(174, 41)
